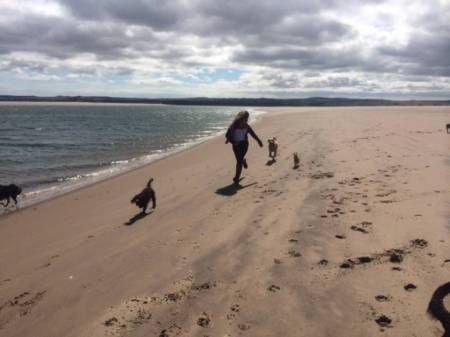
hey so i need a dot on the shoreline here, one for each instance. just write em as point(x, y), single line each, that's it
point(315, 242)
point(67, 187)
point(74, 103)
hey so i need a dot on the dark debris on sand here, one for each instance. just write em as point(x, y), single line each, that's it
point(383, 321)
point(323, 262)
point(396, 258)
point(410, 287)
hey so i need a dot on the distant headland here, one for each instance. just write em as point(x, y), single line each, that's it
point(311, 101)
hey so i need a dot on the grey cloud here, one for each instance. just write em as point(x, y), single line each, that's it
point(427, 52)
point(282, 81)
point(301, 58)
point(293, 35)
point(247, 21)
point(158, 14)
point(335, 82)
point(62, 39)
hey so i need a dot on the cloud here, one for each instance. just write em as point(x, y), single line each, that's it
point(290, 45)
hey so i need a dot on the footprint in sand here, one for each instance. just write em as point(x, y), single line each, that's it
point(204, 320)
point(6, 280)
point(244, 326)
point(294, 253)
point(273, 288)
point(382, 298)
point(19, 306)
point(203, 286)
point(359, 229)
point(234, 310)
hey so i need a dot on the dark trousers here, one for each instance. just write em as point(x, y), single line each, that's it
point(240, 150)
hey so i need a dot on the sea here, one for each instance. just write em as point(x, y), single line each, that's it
point(50, 149)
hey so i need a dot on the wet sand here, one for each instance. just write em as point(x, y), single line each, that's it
point(354, 242)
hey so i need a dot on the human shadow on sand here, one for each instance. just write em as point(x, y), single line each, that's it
point(136, 218)
point(232, 189)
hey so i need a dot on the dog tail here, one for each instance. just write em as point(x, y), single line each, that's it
point(149, 184)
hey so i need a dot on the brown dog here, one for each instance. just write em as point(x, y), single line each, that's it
point(296, 161)
point(9, 192)
point(142, 199)
point(273, 148)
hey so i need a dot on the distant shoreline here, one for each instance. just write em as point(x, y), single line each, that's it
point(66, 103)
point(207, 101)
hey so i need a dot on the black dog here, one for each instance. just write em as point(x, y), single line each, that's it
point(448, 128)
point(437, 309)
point(142, 199)
point(9, 192)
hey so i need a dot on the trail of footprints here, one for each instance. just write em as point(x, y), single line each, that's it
point(19, 306)
point(131, 314)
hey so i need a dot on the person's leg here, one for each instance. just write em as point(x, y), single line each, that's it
point(237, 155)
point(240, 150)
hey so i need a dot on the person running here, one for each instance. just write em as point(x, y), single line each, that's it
point(237, 136)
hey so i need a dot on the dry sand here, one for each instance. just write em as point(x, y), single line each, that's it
point(268, 259)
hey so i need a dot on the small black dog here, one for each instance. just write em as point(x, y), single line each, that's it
point(9, 192)
point(448, 128)
point(142, 199)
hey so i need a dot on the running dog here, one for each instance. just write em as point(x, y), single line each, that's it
point(142, 199)
point(8, 192)
point(273, 148)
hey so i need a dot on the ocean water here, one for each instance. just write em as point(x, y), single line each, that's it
point(51, 149)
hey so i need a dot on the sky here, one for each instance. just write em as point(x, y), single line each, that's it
point(397, 49)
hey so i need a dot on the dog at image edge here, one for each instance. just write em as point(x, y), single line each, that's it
point(143, 198)
point(8, 192)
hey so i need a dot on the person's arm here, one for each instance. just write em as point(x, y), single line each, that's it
point(228, 136)
point(253, 134)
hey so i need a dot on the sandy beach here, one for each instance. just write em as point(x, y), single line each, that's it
point(352, 243)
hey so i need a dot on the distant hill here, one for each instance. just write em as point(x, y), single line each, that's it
point(312, 101)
